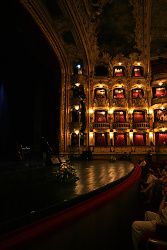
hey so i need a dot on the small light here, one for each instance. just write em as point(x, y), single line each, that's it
point(119, 63)
point(77, 84)
point(76, 132)
point(76, 107)
point(110, 111)
point(139, 63)
point(78, 66)
point(160, 83)
point(91, 111)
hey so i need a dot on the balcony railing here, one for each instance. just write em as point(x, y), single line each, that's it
point(141, 125)
point(140, 102)
point(101, 102)
point(101, 125)
point(158, 100)
point(160, 124)
point(119, 102)
point(121, 125)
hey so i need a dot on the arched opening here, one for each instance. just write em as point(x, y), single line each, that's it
point(30, 79)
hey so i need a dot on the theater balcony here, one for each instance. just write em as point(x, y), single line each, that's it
point(121, 125)
point(141, 125)
point(119, 102)
point(104, 125)
point(158, 100)
point(139, 102)
point(160, 124)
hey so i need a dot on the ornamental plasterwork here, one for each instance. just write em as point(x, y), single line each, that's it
point(88, 31)
point(139, 17)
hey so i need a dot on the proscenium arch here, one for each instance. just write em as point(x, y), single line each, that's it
point(39, 15)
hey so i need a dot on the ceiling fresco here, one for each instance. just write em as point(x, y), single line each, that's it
point(116, 28)
point(92, 29)
point(158, 45)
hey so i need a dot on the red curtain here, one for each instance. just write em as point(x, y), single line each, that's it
point(160, 92)
point(161, 139)
point(120, 140)
point(100, 118)
point(138, 117)
point(137, 72)
point(136, 94)
point(119, 117)
point(101, 139)
point(139, 140)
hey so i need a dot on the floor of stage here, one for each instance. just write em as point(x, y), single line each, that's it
point(29, 193)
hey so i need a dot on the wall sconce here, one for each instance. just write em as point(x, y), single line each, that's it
point(139, 63)
point(76, 107)
point(163, 129)
point(150, 111)
point(120, 63)
point(151, 136)
point(111, 135)
point(131, 135)
point(77, 84)
point(76, 132)
point(160, 83)
point(131, 111)
point(91, 111)
point(110, 111)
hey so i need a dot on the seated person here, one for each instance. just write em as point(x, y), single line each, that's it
point(148, 184)
point(147, 227)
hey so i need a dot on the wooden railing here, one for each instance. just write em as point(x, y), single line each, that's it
point(101, 125)
point(141, 125)
point(121, 125)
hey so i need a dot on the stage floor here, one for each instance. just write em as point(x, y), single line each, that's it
point(29, 193)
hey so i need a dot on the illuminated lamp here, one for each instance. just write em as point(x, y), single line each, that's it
point(91, 111)
point(77, 84)
point(78, 66)
point(151, 136)
point(76, 132)
point(111, 135)
point(110, 111)
point(76, 107)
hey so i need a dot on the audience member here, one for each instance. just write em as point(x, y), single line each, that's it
point(147, 227)
point(147, 185)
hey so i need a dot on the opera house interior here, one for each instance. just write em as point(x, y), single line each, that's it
point(84, 77)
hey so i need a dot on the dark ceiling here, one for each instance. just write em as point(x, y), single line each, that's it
point(115, 25)
point(116, 29)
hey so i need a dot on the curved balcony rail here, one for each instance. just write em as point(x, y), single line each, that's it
point(104, 125)
point(139, 102)
point(158, 100)
point(141, 125)
point(121, 125)
point(158, 76)
point(101, 102)
point(160, 124)
point(119, 102)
